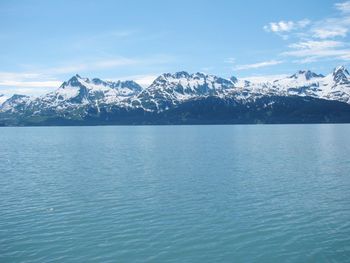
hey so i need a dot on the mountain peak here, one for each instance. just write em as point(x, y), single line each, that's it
point(199, 75)
point(18, 96)
point(340, 69)
point(73, 81)
point(75, 78)
point(234, 79)
point(129, 84)
point(308, 74)
point(181, 74)
point(163, 78)
point(341, 75)
point(98, 81)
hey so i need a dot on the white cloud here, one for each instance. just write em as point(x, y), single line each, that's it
point(29, 91)
point(286, 26)
point(41, 80)
point(325, 44)
point(323, 29)
point(343, 7)
point(317, 40)
point(311, 51)
point(281, 26)
point(37, 84)
point(258, 65)
point(18, 75)
point(303, 23)
point(324, 33)
point(330, 28)
point(26, 83)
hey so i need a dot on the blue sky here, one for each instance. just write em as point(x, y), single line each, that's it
point(43, 43)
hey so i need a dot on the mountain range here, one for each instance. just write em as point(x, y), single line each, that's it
point(183, 98)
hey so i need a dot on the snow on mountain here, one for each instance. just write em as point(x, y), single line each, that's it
point(78, 92)
point(84, 90)
point(78, 95)
point(171, 89)
point(302, 83)
point(17, 103)
point(334, 86)
point(341, 76)
point(299, 79)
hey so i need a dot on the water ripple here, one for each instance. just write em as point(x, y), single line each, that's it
point(175, 194)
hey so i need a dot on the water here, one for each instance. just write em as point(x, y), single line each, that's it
point(260, 193)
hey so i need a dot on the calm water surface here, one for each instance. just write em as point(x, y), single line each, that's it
point(260, 193)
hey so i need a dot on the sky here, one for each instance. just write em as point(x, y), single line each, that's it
point(43, 43)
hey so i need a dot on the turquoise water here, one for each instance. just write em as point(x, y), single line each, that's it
point(259, 193)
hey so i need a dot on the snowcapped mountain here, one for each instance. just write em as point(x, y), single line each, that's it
point(341, 76)
point(82, 91)
point(17, 103)
point(83, 99)
point(334, 86)
point(172, 89)
point(74, 95)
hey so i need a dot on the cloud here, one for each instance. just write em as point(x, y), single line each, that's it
point(343, 7)
point(37, 84)
point(15, 75)
point(316, 40)
point(325, 28)
point(26, 83)
point(311, 51)
point(27, 79)
point(258, 65)
point(324, 33)
point(330, 28)
point(326, 44)
point(40, 80)
point(29, 91)
point(281, 26)
point(286, 26)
